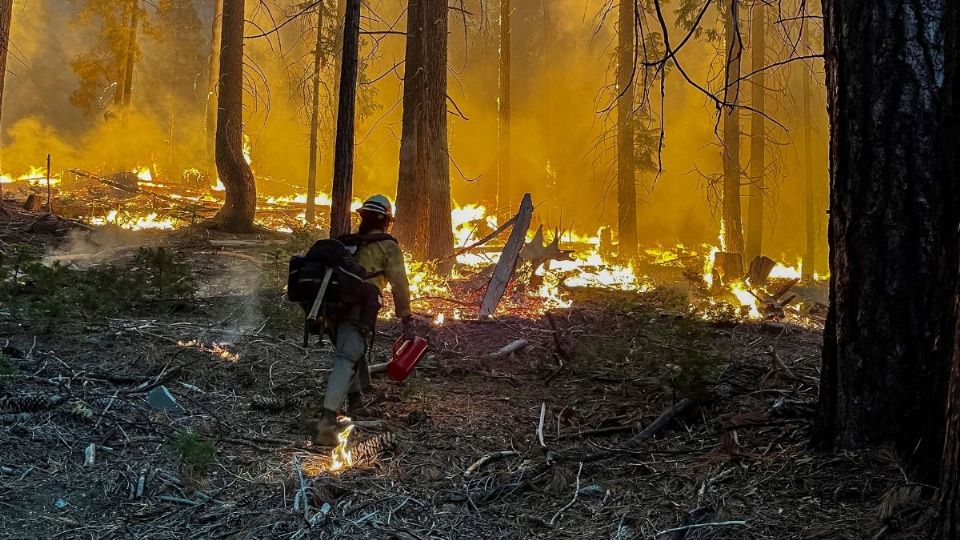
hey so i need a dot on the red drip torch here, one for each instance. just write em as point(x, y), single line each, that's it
point(406, 354)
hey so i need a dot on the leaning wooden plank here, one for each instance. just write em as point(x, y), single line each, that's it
point(508, 260)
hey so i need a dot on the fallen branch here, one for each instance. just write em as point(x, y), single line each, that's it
point(509, 349)
point(303, 489)
point(493, 456)
point(741, 523)
point(576, 493)
point(547, 453)
point(665, 417)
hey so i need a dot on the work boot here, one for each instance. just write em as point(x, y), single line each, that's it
point(355, 408)
point(324, 431)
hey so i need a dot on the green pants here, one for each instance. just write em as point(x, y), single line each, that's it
point(350, 371)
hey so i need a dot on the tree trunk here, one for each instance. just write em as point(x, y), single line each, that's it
point(434, 154)
point(213, 78)
point(950, 140)
point(240, 203)
point(346, 118)
point(131, 52)
point(423, 188)
point(810, 218)
point(503, 106)
point(412, 209)
point(888, 331)
point(758, 96)
point(310, 213)
point(6, 14)
point(626, 155)
point(730, 227)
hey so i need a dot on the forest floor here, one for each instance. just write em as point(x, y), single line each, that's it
point(82, 349)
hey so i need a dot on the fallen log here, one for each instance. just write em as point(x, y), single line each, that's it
point(759, 271)
point(507, 264)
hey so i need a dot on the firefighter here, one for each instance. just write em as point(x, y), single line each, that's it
point(380, 255)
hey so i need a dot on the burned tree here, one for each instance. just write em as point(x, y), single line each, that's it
point(423, 187)
point(6, 15)
point(213, 79)
point(758, 95)
point(240, 205)
point(626, 157)
point(346, 118)
point(892, 232)
point(730, 225)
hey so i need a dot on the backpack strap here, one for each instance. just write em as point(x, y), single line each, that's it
point(358, 240)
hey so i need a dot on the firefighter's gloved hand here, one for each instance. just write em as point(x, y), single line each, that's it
point(409, 333)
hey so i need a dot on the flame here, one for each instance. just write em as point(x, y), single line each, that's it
point(781, 271)
point(247, 149)
point(6, 179)
point(37, 177)
point(143, 174)
point(439, 320)
point(746, 299)
point(216, 349)
point(341, 457)
point(218, 186)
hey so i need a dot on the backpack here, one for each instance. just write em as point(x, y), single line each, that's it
point(348, 286)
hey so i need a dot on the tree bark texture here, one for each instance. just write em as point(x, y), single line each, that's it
point(731, 227)
point(810, 218)
point(412, 209)
point(213, 80)
point(346, 119)
point(433, 159)
point(6, 16)
point(311, 211)
point(423, 189)
point(504, 155)
point(626, 154)
point(758, 97)
point(950, 141)
point(888, 331)
point(240, 203)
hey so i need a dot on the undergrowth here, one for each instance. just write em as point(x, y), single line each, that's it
point(155, 279)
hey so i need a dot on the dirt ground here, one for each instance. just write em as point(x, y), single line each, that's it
point(735, 460)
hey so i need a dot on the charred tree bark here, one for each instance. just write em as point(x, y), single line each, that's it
point(950, 139)
point(410, 227)
point(888, 332)
point(213, 79)
point(346, 119)
point(311, 211)
point(504, 155)
point(626, 155)
point(758, 97)
point(731, 227)
point(240, 204)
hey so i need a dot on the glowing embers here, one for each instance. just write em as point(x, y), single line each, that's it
point(216, 349)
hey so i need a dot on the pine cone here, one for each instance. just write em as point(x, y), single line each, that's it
point(273, 404)
point(29, 403)
point(375, 446)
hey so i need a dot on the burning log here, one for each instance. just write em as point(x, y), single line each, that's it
point(759, 271)
point(507, 264)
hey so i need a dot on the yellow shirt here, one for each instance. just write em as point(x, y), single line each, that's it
point(387, 257)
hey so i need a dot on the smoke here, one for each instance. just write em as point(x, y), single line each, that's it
point(562, 75)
